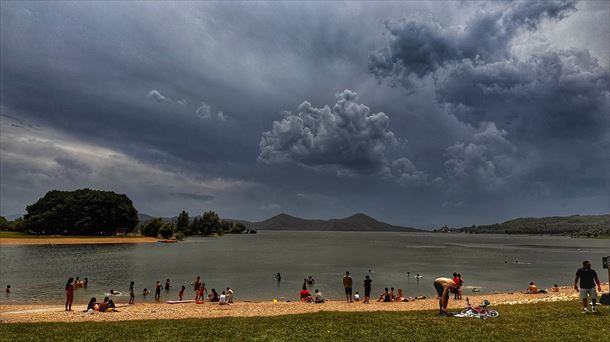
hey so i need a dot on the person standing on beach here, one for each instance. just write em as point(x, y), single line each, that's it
point(158, 290)
point(167, 285)
point(443, 286)
point(196, 286)
point(367, 289)
point(86, 282)
point(348, 282)
point(588, 278)
point(132, 295)
point(69, 293)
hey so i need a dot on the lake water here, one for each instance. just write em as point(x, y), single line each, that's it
point(247, 264)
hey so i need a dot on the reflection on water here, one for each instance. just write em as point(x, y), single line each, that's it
point(248, 263)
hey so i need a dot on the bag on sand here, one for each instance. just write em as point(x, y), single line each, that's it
point(605, 299)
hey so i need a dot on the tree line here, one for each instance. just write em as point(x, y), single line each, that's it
point(96, 212)
point(207, 224)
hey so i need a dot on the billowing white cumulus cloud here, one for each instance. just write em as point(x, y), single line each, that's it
point(483, 164)
point(157, 96)
point(348, 137)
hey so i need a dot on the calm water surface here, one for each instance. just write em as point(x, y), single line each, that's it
point(247, 264)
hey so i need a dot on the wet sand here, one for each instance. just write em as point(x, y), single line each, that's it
point(75, 241)
point(162, 310)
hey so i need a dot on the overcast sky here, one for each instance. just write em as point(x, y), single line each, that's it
point(417, 113)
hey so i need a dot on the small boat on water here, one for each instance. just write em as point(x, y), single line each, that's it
point(168, 241)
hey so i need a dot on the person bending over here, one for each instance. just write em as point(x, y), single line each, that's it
point(443, 287)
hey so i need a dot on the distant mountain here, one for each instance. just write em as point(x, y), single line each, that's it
point(357, 222)
point(144, 217)
point(575, 225)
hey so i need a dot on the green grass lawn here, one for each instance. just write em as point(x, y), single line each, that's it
point(540, 322)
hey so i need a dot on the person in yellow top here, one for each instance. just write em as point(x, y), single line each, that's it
point(443, 286)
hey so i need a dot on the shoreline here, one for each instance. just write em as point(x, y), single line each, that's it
point(16, 241)
point(22, 313)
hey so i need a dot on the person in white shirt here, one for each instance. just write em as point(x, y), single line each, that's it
point(229, 295)
point(357, 296)
point(319, 298)
point(222, 300)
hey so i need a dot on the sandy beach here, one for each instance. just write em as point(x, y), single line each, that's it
point(74, 241)
point(162, 310)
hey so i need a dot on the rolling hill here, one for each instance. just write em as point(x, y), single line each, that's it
point(356, 222)
point(575, 225)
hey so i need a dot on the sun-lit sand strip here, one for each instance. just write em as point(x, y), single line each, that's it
point(139, 311)
point(74, 241)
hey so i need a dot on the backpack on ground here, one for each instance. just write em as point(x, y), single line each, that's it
point(605, 299)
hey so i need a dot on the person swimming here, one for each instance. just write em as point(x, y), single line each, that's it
point(145, 292)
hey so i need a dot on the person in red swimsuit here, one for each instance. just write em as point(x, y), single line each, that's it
point(305, 295)
point(69, 294)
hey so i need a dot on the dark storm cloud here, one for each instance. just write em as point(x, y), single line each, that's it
point(114, 94)
point(561, 94)
point(552, 104)
point(420, 47)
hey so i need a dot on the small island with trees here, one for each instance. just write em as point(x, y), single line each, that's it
point(97, 213)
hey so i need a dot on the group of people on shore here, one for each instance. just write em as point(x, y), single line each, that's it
point(444, 286)
point(584, 283)
point(388, 295)
point(224, 298)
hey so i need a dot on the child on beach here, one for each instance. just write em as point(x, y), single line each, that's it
point(196, 285)
point(200, 298)
point(319, 298)
point(145, 292)
point(69, 293)
point(132, 295)
point(230, 295)
point(181, 293)
point(222, 300)
point(357, 297)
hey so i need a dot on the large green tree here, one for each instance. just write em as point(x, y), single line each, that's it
point(81, 212)
point(182, 226)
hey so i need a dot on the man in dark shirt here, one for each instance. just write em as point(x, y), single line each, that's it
point(367, 289)
point(588, 279)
